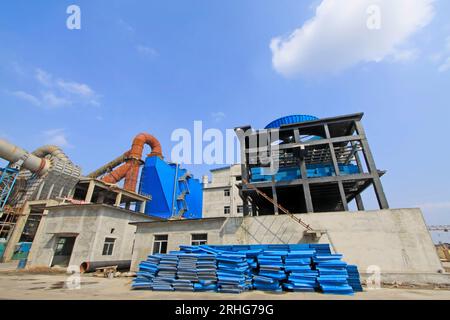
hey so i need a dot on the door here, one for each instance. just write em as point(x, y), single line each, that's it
point(63, 251)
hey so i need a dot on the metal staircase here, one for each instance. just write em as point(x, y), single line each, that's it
point(181, 198)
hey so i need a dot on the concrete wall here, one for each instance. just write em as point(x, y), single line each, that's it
point(180, 232)
point(91, 224)
point(214, 200)
point(395, 240)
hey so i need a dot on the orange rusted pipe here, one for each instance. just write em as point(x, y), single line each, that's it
point(130, 170)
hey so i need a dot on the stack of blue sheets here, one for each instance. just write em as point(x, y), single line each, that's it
point(271, 271)
point(146, 274)
point(232, 272)
point(297, 265)
point(332, 274)
point(167, 271)
point(353, 278)
point(207, 273)
point(233, 269)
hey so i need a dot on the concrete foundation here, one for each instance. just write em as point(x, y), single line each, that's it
point(392, 241)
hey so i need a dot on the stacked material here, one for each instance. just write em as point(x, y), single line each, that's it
point(271, 271)
point(297, 265)
point(167, 270)
point(321, 248)
point(232, 272)
point(235, 268)
point(146, 274)
point(332, 274)
point(353, 278)
point(206, 271)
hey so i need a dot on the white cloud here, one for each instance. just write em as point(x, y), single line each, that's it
point(43, 77)
point(435, 205)
point(80, 89)
point(443, 58)
point(445, 66)
point(338, 36)
point(57, 92)
point(51, 99)
point(218, 116)
point(146, 51)
point(56, 137)
point(124, 25)
point(27, 97)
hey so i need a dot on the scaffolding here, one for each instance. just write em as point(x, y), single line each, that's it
point(7, 180)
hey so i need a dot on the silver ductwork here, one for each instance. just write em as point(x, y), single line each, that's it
point(26, 160)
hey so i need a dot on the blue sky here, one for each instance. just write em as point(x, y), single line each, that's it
point(155, 66)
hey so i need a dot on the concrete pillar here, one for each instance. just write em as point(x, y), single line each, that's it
point(118, 199)
point(142, 208)
point(370, 162)
point(274, 196)
point(16, 233)
point(359, 202)
point(90, 191)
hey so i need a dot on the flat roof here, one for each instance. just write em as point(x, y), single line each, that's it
point(98, 205)
point(179, 220)
point(114, 188)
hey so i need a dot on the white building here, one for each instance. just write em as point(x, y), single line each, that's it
point(221, 195)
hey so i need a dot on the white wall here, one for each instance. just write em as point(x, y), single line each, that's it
point(91, 224)
point(214, 200)
point(395, 240)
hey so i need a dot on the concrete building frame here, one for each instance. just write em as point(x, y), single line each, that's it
point(341, 137)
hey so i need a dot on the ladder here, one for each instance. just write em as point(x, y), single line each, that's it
point(265, 196)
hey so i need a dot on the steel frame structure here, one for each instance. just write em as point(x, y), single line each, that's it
point(7, 180)
point(336, 141)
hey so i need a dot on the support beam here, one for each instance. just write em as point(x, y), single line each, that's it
point(379, 192)
point(142, 207)
point(306, 189)
point(245, 204)
point(274, 196)
point(118, 199)
point(359, 202)
point(90, 192)
point(336, 169)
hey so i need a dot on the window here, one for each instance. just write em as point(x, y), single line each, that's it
point(226, 210)
point(226, 192)
point(108, 246)
point(240, 209)
point(160, 243)
point(199, 239)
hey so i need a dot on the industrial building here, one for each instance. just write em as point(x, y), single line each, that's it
point(295, 184)
point(221, 196)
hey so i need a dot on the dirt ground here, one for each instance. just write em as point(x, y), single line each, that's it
point(22, 285)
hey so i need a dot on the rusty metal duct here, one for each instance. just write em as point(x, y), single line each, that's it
point(130, 169)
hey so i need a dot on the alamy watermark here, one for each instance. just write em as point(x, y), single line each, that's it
point(213, 146)
point(73, 21)
point(373, 21)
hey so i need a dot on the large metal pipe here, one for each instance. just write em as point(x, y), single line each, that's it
point(109, 166)
point(51, 150)
point(13, 153)
point(91, 266)
point(131, 168)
